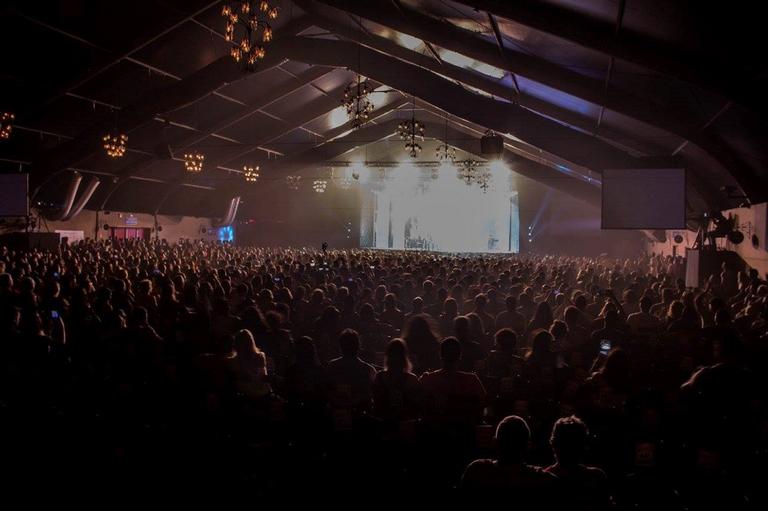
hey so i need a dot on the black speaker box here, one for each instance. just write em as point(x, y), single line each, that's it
point(700, 264)
point(492, 145)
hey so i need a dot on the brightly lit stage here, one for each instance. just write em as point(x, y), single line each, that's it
point(409, 209)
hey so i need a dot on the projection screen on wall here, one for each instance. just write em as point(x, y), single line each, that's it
point(643, 199)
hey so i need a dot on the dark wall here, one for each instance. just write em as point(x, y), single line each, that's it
point(568, 226)
point(278, 216)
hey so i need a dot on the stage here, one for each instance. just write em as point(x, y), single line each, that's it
point(412, 212)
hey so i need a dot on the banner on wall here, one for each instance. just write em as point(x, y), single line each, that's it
point(70, 236)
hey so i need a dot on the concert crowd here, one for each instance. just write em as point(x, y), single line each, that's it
point(551, 381)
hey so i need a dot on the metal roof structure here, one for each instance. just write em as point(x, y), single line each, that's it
point(574, 87)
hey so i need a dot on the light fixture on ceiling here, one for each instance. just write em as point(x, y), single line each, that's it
point(445, 153)
point(293, 182)
point(319, 185)
point(6, 125)
point(251, 173)
point(345, 183)
point(253, 19)
point(115, 144)
point(357, 101)
point(412, 132)
point(467, 171)
point(483, 179)
point(193, 162)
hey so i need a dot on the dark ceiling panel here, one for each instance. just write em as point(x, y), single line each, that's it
point(185, 50)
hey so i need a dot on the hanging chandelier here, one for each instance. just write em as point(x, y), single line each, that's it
point(468, 171)
point(6, 125)
point(446, 153)
point(115, 144)
point(292, 182)
point(412, 132)
point(251, 174)
point(357, 101)
point(253, 18)
point(319, 185)
point(483, 180)
point(193, 162)
point(345, 183)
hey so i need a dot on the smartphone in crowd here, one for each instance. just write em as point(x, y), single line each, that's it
point(605, 347)
point(54, 314)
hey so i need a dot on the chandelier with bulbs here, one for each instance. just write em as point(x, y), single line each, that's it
point(252, 18)
point(467, 171)
point(319, 185)
point(483, 180)
point(357, 101)
point(251, 174)
point(292, 182)
point(412, 132)
point(115, 144)
point(445, 153)
point(193, 162)
point(6, 125)
point(345, 183)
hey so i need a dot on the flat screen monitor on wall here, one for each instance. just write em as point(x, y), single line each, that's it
point(14, 195)
point(643, 199)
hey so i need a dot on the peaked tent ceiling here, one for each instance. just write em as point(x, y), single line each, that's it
point(574, 87)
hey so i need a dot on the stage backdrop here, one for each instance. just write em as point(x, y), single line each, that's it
point(407, 209)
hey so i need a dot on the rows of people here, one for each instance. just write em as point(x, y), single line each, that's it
point(574, 381)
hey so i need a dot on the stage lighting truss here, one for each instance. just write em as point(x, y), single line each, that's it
point(251, 19)
point(115, 144)
point(193, 162)
point(6, 125)
point(411, 132)
point(319, 185)
point(357, 101)
point(468, 171)
point(293, 182)
point(251, 173)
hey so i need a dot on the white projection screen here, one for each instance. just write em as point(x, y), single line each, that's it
point(13, 195)
point(643, 199)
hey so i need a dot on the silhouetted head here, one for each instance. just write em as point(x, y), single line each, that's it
point(512, 438)
point(450, 352)
point(396, 359)
point(569, 440)
point(349, 343)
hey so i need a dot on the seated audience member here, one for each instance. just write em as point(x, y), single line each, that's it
point(423, 343)
point(487, 321)
point(452, 396)
point(510, 317)
point(349, 377)
point(503, 361)
point(471, 349)
point(391, 314)
point(450, 312)
point(508, 474)
point(582, 486)
point(305, 377)
point(396, 390)
point(249, 366)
